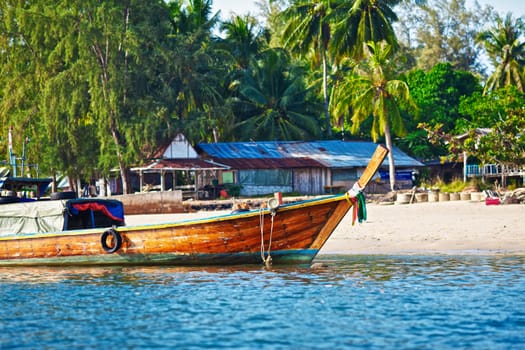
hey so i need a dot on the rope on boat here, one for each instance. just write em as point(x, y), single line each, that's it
point(267, 260)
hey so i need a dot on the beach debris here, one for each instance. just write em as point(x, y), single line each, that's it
point(515, 196)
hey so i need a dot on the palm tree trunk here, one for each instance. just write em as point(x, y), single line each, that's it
point(325, 96)
point(391, 166)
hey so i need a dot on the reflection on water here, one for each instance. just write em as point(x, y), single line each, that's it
point(338, 302)
point(325, 268)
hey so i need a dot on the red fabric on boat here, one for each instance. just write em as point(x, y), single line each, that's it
point(96, 207)
point(355, 209)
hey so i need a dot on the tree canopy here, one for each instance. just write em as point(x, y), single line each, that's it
point(97, 86)
point(506, 48)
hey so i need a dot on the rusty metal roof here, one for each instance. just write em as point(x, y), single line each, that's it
point(270, 163)
point(280, 154)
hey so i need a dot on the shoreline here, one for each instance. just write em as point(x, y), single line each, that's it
point(430, 228)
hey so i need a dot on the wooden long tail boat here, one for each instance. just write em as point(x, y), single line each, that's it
point(291, 233)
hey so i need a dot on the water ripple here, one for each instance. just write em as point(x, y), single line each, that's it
point(341, 302)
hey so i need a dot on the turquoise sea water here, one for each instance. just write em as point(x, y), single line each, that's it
point(363, 302)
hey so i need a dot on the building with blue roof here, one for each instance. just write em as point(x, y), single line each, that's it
point(305, 167)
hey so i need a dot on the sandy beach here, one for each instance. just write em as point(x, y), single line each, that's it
point(453, 227)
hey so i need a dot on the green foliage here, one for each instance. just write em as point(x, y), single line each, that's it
point(479, 185)
point(328, 32)
point(439, 92)
point(233, 189)
point(504, 145)
point(502, 142)
point(243, 40)
point(306, 26)
point(195, 76)
point(372, 93)
point(274, 102)
point(483, 111)
point(416, 143)
point(362, 21)
point(307, 31)
point(89, 81)
point(502, 112)
point(438, 95)
point(457, 185)
point(439, 31)
point(506, 48)
point(96, 85)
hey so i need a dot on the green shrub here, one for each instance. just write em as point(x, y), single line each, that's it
point(233, 189)
point(455, 186)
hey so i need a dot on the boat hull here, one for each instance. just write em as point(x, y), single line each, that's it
point(293, 233)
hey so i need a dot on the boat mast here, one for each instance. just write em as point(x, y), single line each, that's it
point(26, 141)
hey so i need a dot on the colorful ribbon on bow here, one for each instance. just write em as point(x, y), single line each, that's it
point(358, 207)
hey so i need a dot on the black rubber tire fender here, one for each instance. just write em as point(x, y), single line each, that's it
point(117, 240)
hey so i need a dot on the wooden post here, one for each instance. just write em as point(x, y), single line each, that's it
point(141, 180)
point(465, 157)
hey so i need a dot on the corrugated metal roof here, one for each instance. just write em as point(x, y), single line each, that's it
point(332, 153)
point(248, 150)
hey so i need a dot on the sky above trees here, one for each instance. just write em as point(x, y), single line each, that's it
point(517, 7)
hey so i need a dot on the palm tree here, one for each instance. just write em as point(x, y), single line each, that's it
point(370, 93)
point(194, 78)
point(196, 15)
point(506, 49)
point(360, 21)
point(305, 28)
point(274, 102)
point(242, 39)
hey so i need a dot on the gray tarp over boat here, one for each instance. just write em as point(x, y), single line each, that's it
point(31, 217)
point(59, 215)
